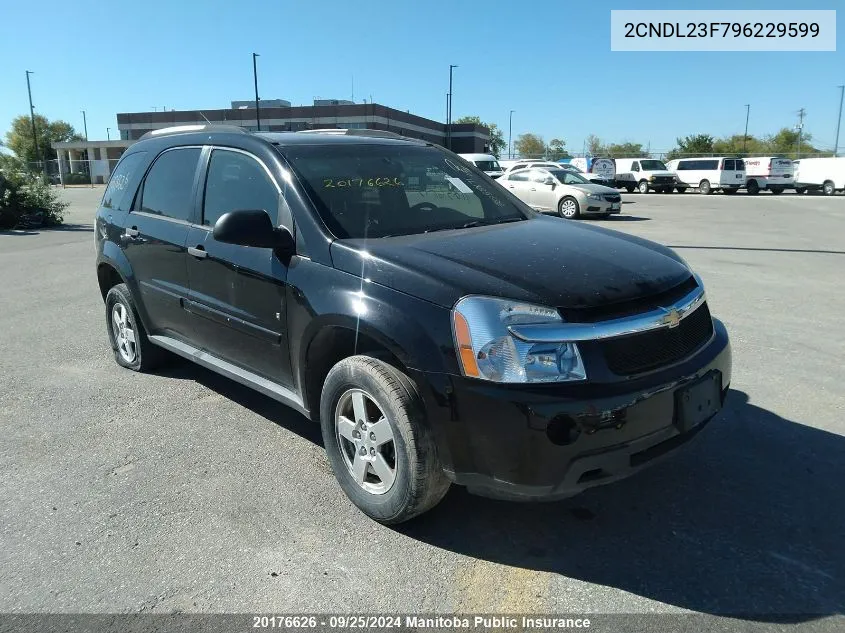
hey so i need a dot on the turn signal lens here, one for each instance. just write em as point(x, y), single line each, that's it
point(465, 354)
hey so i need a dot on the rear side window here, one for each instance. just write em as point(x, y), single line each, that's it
point(124, 182)
point(521, 176)
point(237, 182)
point(169, 184)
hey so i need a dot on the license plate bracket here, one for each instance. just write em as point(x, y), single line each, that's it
point(615, 206)
point(698, 401)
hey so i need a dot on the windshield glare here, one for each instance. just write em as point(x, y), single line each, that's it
point(382, 190)
point(568, 177)
point(652, 165)
point(488, 165)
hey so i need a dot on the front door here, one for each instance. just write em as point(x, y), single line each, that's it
point(237, 293)
point(155, 236)
point(541, 194)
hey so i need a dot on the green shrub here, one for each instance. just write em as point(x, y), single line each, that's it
point(77, 178)
point(27, 199)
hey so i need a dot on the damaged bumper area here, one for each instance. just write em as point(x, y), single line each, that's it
point(546, 442)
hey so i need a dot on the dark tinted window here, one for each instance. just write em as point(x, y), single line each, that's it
point(380, 189)
point(635, 166)
point(236, 181)
point(167, 189)
point(124, 182)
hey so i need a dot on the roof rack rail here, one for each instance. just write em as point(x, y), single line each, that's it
point(199, 127)
point(353, 132)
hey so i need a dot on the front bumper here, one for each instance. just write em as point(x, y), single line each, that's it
point(553, 441)
point(602, 207)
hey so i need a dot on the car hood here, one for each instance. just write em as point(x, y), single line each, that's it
point(659, 172)
point(544, 260)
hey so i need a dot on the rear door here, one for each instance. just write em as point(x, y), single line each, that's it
point(237, 293)
point(155, 236)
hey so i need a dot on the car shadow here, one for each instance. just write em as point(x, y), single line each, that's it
point(626, 218)
point(746, 521)
point(246, 397)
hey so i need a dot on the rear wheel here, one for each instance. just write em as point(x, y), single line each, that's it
point(630, 188)
point(776, 190)
point(704, 187)
point(800, 190)
point(752, 188)
point(642, 186)
point(132, 348)
point(680, 189)
point(378, 442)
point(666, 190)
point(568, 208)
point(729, 191)
point(827, 188)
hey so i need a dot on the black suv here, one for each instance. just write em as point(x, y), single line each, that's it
point(437, 328)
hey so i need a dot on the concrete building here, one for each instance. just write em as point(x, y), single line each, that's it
point(277, 115)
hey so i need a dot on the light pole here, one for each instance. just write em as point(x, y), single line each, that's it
point(838, 120)
point(745, 136)
point(255, 79)
point(108, 135)
point(449, 114)
point(32, 116)
point(510, 133)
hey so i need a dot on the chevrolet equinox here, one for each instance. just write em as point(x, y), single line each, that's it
point(438, 329)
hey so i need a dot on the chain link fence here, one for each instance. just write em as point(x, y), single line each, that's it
point(75, 172)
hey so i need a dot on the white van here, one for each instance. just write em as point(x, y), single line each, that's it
point(643, 174)
point(487, 163)
point(827, 174)
point(603, 167)
point(707, 174)
point(768, 172)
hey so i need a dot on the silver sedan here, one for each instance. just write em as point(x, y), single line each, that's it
point(563, 192)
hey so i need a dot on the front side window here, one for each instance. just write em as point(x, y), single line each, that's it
point(123, 183)
point(170, 183)
point(488, 165)
point(520, 176)
point(635, 166)
point(380, 190)
point(237, 182)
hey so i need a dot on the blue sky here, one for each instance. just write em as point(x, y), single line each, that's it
point(549, 61)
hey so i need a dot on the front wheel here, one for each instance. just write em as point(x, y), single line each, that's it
point(568, 208)
point(800, 190)
point(680, 189)
point(827, 188)
point(704, 187)
point(378, 442)
point(630, 188)
point(776, 190)
point(642, 187)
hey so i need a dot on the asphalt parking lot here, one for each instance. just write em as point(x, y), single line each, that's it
point(182, 491)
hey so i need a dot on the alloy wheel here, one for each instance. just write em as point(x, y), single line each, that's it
point(124, 335)
point(568, 208)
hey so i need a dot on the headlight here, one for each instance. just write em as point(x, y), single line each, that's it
point(488, 351)
point(594, 196)
point(651, 177)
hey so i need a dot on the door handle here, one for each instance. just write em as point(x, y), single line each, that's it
point(133, 232)
point(533, 189)
point(198, 252)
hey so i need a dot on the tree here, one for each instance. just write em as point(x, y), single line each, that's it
point(786, 142)
point(497, 139)
point(19, 137)
point(557, 149)
point(694, 144)
point(594, 145)
point(624, 150)
point(530, 146)
point(740, 144)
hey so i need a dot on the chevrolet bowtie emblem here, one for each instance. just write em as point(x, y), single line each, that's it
point(672, 318)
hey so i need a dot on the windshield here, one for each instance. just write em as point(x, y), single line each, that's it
point(382, 190)
point(652, 165)
point(571, 168)
point(488, 165)
point(568, 177)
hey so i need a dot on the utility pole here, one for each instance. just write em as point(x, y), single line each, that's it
point(449, 115)
point(510, 134)
point(801, 114)
point(108, 133)
point(255, 79)
point(85, 124)
point(745, 136)
point(838, 120)
point(32, 116)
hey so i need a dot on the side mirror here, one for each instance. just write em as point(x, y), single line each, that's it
point(252, 228)
point(550, 181)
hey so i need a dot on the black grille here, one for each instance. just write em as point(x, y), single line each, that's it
point(613, 197)
point(663, 180)
point(650, 350)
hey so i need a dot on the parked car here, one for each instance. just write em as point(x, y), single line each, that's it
point(768, 172)
point(602, 168)
point(561, 191)
point(643, 174)
point(487, 163)
point(438, 329)
point(545, 164)
point(827, 174)
point(709, 174)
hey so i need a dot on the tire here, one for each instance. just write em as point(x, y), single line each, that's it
point(416, 481)
point(776, 190)
point(568, 208)
point(704, 187)
point(752, 188)
point(827, 188)
point(801, 190)
point(642, 186)
point(130, 344)
point(729, 191)
point(666, 190)
point(680, 189)
point(630, 189)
